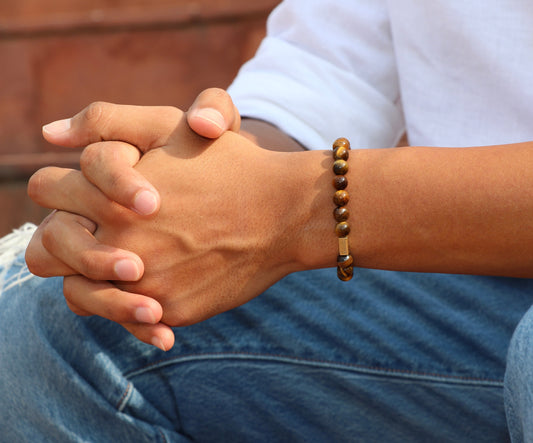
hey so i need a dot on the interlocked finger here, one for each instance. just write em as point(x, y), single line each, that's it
point(69, 190)
point(110, 167)
point(64, 245)
point(139, 314)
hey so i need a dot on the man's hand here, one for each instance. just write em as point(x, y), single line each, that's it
point(64, 244)
point(145, 128)
point(218, 239)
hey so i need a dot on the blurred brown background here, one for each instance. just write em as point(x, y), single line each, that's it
point(58, 56)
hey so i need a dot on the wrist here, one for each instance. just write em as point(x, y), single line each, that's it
point(314, 243)
point(306, 234)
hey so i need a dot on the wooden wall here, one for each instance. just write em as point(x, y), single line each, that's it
point(60, 55)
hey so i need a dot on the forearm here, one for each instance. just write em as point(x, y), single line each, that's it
point(426, 209)
point(418, 209)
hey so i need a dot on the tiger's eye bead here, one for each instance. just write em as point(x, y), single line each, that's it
point(344, 261)
point(345, 274)
point(341, 214)
point(341, 153)
point(341, 142)
point(341, 198)
point(340, 182)
point(342, 229)
point(340, 167)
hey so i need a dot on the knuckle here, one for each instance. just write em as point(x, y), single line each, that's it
point(95, 118)
point(94, 265)
point(89, 265)
point(49, 235)
point(118, 313)
point(37, 184)
point(33, 261)
point(117, 180)
point(90, 156)
point(95, 111)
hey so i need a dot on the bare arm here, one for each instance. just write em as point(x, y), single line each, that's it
point(463, 210)
point(448, 210)
point(414, 209)
point(466, 210)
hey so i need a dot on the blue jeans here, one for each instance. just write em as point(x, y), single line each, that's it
point(389, 357)
point(518, 385)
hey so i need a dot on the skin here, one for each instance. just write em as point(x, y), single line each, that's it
point(413, 209)
point(64, 244)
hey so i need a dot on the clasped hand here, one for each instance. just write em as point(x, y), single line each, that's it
point(195, 229)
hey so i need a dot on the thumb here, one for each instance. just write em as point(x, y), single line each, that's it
point(145, 127)
point(213, 113)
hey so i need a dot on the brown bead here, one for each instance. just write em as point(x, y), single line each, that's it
point(341, 153)
point(344, 261)
point(340, 167)
point(341, 198)
point(341, 142)
point(340, 182)
point(342, 229)
point(345, 274)
point(341, 214)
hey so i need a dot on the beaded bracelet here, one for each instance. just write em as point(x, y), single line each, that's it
point(341, 152)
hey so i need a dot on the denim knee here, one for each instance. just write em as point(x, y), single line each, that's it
point(518, 384)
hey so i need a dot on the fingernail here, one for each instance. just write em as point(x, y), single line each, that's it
point(58, 127)
point(212, 116)
point(145, 315)
point(156, 341)
point(127, 270)
point(145, 202)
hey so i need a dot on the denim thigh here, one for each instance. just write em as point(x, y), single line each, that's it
point(387, 357)
point(518, 387)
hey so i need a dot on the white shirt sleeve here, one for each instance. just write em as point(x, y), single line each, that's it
point(325, 70)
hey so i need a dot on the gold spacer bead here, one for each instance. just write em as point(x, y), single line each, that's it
point(344, 246)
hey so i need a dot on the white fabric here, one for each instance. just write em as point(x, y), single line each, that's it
point(454, 73)
point(11, 246)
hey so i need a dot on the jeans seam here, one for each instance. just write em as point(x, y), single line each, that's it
point(162, 435)
point(123, 401)
point(369, 370)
